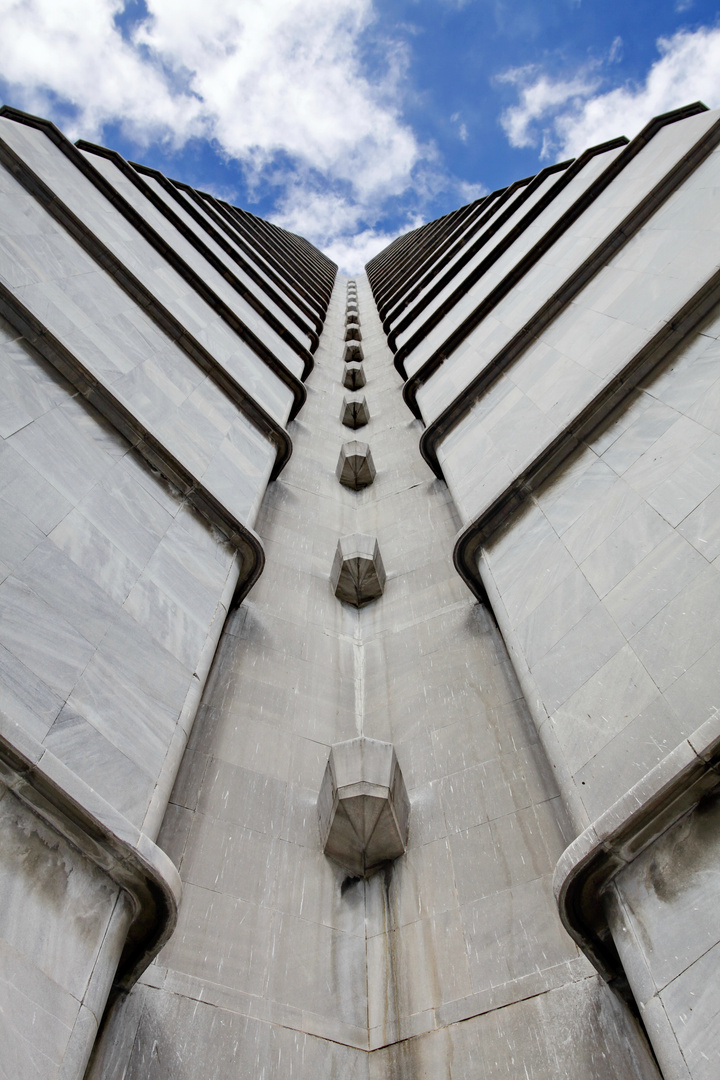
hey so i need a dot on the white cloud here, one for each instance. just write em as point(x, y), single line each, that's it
point(616, 51)
point(352, 252)
point(470, 192)
point(279, 86)
point(462, 129)
point(72, 50)
point(539, 99)
point(566, 116)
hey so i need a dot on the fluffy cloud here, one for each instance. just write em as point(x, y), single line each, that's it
point(541, 98)
point(563, 117)
point(280, 87)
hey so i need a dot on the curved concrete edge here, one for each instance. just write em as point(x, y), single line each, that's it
point(136, 175)
point(518, 270)
point(256, 413)
point(473, 536)
point(494, 221)
point(141, 439)
point(615, 839)
point(612, 243)
point(407, 273)
point(223, 225)
point(436, 262)
point(117, 847)
point(143, 227)
point(173, 190)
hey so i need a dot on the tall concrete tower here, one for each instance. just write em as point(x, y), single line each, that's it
point(359, 638)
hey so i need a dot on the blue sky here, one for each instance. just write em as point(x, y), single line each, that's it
point(350, 121)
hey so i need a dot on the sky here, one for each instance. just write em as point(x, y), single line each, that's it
point(351, 121)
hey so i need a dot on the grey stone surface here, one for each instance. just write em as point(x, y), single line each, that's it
point(289, 967)
point(633, 596)
point(113, 589)
point(55, 910)
point(662, 912)
point(358, 574)
point(163, 281)
point(604, 657)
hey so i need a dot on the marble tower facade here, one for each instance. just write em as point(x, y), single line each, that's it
point(453, 526)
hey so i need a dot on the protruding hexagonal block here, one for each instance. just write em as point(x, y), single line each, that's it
point(354, 412)
point(358, 574)
point(354, 376)
point(353, 332)
point(353, 351)
point(351, 308)
point(352, 317)
point(363, 806)
point(355, 467)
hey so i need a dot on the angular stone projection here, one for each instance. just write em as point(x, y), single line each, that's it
point(354, 376)
point(358, 574)
point(353, 331)
point(354, 412)
point(352, 316)
point(355, 467)
point(363, 806)
point(353, 351)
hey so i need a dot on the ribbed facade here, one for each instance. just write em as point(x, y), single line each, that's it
point(465, 508)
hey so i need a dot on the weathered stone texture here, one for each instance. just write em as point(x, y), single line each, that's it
point(278, 956)
point(460, 745)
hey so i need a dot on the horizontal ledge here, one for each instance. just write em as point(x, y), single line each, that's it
point(496, 220)
point(145, 299)
point(422, 255)
point(284, 250)
point(104, 836)
point(105, 258)
point(381, 1037)
point(573, 284)
point(220, 217)
point(135, 173)
point(595, 412)
point(139, 436)
point(615, 839)
point(436, 260)
point(514, 275)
